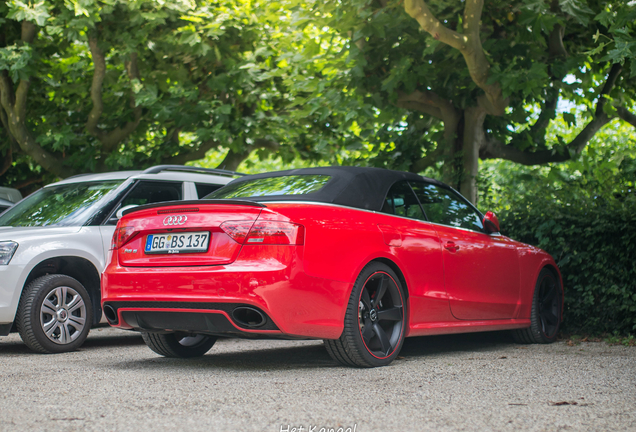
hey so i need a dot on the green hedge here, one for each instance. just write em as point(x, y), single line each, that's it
point(596, 252)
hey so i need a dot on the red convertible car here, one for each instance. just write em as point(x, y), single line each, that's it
point(359, 257)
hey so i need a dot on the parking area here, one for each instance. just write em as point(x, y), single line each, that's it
point(464, 382)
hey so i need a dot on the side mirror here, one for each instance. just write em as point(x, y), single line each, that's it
point(121, 211)
point(491, 223)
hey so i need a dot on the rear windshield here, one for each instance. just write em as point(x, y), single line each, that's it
point(283, 185)
point(69, 204)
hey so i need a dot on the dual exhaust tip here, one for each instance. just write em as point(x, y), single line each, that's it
point(110, 314)
point(244, 316)
point(250, 317)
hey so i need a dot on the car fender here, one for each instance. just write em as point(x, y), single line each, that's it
point(532, 261)
point(32, 252)
point(381, 256)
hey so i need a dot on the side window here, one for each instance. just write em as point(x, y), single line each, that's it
point(443, 206)
point(204, 189)
point(401, 201)
point(150, 192)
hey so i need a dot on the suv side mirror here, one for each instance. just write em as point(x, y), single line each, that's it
point(491, 223)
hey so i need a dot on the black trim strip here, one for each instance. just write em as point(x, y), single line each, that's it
point(205, 323)
point(225, 307)
point(194, 202)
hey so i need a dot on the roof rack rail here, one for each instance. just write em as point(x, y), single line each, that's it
point(160, 168)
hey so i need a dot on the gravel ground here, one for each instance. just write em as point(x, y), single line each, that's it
point(444, 383)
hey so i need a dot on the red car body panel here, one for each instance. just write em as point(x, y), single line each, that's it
point(480, 282)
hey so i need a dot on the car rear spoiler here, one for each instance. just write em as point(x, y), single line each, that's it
point(193, 202)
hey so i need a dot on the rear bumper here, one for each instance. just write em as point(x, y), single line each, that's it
point(206, 299)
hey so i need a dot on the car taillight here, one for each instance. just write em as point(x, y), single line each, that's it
point(265, 232)
point(238, 230)
point(121, 236)
point(282, 233)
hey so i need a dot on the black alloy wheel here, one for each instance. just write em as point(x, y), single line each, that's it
point(374, 322)
point(549, 306)
point(547, 311)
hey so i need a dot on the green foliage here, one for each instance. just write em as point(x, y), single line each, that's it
point(15, 59)
point(617, 339)
point(213, 74)
point(584, 214)
point(385, 56)
point(594, 250)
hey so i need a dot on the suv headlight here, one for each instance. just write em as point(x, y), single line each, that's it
point(7, 249)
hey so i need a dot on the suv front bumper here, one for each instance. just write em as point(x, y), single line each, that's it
point(10, 290)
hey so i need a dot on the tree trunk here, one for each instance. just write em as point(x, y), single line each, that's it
point(473, 140)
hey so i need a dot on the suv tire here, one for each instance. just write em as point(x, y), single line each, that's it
point(55, 314)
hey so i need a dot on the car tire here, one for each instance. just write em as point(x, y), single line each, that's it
point(375, 320)
point(55, 314)
point(547, 311)
point(178, 345)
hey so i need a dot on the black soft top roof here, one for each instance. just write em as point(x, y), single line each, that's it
point(358, 187)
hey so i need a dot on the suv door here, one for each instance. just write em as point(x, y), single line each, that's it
point(143, 192)
point(481, 271)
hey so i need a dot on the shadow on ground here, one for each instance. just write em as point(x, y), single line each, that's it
point(315, 355)
point(12, 344)
point(469, 342)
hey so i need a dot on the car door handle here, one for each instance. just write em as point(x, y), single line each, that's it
point(450, 246)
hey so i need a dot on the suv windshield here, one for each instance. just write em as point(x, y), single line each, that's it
point(64, 205)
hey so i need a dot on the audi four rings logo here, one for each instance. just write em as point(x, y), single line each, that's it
point(175, 220)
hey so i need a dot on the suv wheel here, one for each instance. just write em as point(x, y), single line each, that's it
point(55, 314)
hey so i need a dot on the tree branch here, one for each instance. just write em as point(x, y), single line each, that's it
point(626, 115)
point(7, 161)
point(432, 104)
point(418, 106)
point(614, 72)
point(27, 182)
point(469, 44)
point(23, 137)
point(472, 17)
point(427, 102)
point(555, 42)
point(233, 158)
point(99, 66)
point(6, 93)
point(110, 140)
point(548, 113)
point(28, 31)
point(428, 160)
point(418, 10)
point(537, 130)
point(199, 153)
point(494, 149)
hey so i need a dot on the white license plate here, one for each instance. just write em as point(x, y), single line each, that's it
point(177, 243)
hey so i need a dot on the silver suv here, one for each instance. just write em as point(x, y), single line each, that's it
point(55, 242)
